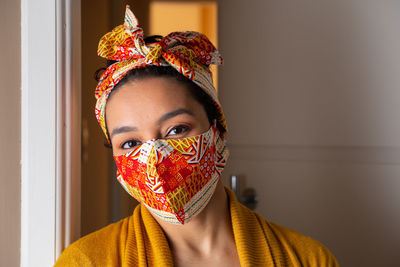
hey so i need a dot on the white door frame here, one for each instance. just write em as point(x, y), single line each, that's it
point(50, 128)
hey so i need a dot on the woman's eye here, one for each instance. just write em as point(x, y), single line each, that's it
point(130, 144)
point(178, 130)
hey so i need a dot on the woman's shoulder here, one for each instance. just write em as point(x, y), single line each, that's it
point(304, 249)
point(103, 247)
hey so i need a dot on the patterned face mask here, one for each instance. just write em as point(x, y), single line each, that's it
point(174, 178)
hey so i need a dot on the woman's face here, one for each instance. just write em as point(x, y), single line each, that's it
point(152, 108)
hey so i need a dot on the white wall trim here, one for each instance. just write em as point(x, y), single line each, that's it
point(50, 129)
point(68, 152)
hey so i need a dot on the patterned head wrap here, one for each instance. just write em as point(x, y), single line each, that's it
point(188, 52)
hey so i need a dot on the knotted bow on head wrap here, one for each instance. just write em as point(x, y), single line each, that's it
point(188, 52)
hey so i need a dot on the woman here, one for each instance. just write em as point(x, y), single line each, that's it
point(159, 111)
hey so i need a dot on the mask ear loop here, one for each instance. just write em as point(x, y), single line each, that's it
point(214, 125)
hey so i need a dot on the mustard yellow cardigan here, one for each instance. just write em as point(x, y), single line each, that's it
point(139, 241)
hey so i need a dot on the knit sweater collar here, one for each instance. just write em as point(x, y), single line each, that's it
point(152, 248)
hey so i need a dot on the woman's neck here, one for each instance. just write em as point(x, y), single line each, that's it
point(207, 232)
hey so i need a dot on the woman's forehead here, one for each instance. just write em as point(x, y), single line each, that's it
point(155, 89)
point(149, 98)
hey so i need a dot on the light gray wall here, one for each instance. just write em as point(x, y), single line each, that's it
point(10, 133)
point(311, 93)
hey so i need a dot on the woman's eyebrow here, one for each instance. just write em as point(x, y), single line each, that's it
point(174, 113)
point(123, 129)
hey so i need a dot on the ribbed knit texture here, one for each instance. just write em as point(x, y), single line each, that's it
point(139, 241)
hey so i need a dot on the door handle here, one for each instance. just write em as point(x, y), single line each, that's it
point(247, 196)
point(235, 184)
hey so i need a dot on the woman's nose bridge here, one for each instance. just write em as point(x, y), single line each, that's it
point(151, 135)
